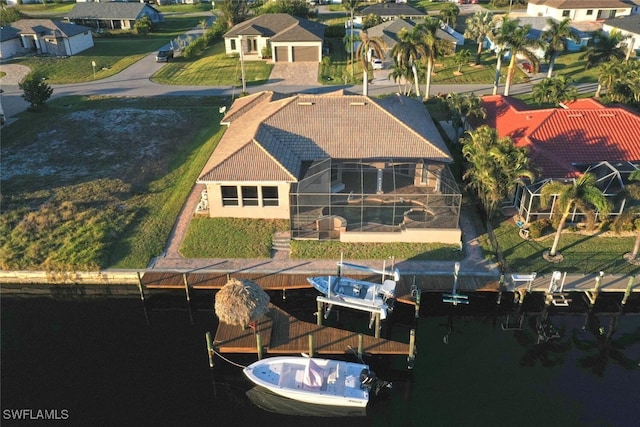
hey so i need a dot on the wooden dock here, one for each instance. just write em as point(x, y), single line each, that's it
point(281, 333)
point(282, 281)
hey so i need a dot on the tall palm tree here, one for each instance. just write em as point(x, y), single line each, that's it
point(351, 6)
point(368, 44)
point(406, 53)
point(519, 43)
point(494, 166)
point(402, 76)
point(605, 47)
point(428, 45)
point(555, 90)
point(556, 36)
point(478, 27)
point(632, 191)
point(582, 195)
point(449, 13)
point(462, 108)
point(501, 33)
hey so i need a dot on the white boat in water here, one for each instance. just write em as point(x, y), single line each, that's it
point(314, 380)
point(358, 294)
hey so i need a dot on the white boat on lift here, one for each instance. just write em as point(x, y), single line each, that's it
point(358, 294)
point(314, 380)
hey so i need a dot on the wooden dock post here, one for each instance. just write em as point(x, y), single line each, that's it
point(418, 298)
point(360, 345)
point(210, 350)
point(592, 295)
point(259, 345)
point(310, 345)
point(500, 288)
point(377, 331)
point(319, 314)
point(627, 292)
point(186, 286)
point(412, 348)
point(140, 287)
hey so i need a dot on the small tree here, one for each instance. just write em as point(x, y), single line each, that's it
point(143, 26)
point(36, 90)
point(462, 57)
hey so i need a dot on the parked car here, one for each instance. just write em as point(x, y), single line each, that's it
point(164, 55)
point(377, 64)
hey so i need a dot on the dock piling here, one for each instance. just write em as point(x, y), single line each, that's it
point(377, 331)
point(310, 345)
point(319, 313)
point(186, 286)
point(140, 287)
point(418, 298)
point(627, 292)
point(259, 345)
point(210, 350)
point(360, 345)
point(412, 348)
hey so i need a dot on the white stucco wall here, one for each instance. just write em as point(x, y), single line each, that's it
point(575, 14)
point(9, 48)
point(79, 42)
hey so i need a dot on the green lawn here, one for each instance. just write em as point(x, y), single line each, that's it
point(213, 68)
point(582, 253)
point(111, 54)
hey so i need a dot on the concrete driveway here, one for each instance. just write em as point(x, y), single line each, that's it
point(294, 73)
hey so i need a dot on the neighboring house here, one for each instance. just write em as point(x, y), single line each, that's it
point(388, 32)
point(287, 38)
point(388, 11)
point(580, 10)
point(566, 142)
point(628, 26)
point(44, 37)
point(338, 166)
point(112, 15)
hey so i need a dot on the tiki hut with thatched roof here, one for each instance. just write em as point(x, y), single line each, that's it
point(241, 302)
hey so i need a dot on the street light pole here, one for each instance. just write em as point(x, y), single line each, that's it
point(244, 83)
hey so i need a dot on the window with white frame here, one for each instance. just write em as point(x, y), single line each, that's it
point(270, 196)
point(229, 195)
point(250, 196)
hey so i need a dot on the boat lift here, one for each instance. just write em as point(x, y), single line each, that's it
point(555, 294)
point(454, 297)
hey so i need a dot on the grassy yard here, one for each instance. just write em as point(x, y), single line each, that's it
point(111, 54)
point(582, 253)
point(95, 183)
point(213, 68)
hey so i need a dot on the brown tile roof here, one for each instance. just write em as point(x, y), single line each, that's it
point(269, 137)
point(279, 27)
point(583, 4)
point(586, 132)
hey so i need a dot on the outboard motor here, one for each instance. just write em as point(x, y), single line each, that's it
point(367, 378)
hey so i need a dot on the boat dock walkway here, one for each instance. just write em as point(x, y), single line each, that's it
point(281, 333)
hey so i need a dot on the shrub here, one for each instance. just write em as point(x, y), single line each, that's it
point(539, 228)
point(335, 30)
point(36, 90)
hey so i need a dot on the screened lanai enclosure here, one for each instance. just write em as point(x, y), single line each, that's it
point(391, 199)
point(612, 178)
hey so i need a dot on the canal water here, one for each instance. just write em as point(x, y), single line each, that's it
point(114, 362)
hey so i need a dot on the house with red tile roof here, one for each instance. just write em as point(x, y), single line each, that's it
point(338, 166)
point(566, 142)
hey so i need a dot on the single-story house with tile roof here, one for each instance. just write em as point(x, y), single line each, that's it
point(44, 36)
point(388, 11)
point(628, 26)
point(288, 38)
point(338, 166)
point(579, 10)
point(112, 15)
point(564, 143)
point(388, 31)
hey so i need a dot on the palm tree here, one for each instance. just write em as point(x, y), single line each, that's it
point(401, 75)
point(519, 43)
point(462, 57)
point(462, 108)
point(501, 36)
point(428, 45)
point(368, 44)
point(556, 36)
point(608, 73)
point(581, 195)
point(478, 27)
point(633, 192)
point(555, 90)
point(449, 13)
point(494, 166)
point(351, 6)
point(406, 52)
point(604, 48)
